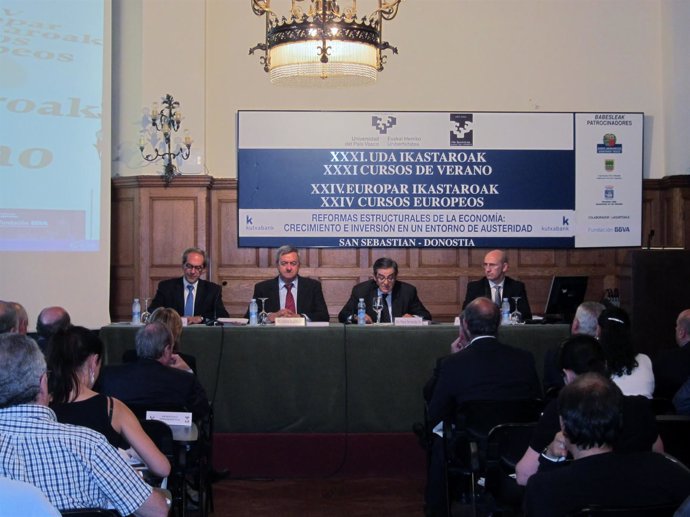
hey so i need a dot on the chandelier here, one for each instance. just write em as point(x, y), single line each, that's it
point(323, 43)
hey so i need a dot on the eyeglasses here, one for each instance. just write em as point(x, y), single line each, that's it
point(195, 268)
point(382, 278)
point(294, 263)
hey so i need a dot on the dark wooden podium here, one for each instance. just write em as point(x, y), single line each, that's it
point(660, 291)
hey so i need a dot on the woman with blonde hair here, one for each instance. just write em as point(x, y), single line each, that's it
point(74, 363)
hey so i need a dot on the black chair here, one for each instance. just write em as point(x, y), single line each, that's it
point(662, 406)
point(675, 433)
point(90, 512)
point(506, 445)
point(465, 441)
point(640, 511)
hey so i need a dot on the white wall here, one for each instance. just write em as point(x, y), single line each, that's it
point(492, 55)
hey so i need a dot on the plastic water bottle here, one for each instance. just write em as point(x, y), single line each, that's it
point(253, 312)
point(361, 312)
point(136, 312)
point(505, 312)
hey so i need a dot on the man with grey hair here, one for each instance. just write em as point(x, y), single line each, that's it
point(158, 377)
point(75, 467)
point(584, 322)
point(8, 317)
point(22, 318)
point(672, 365)
point(196, 299)
point(289, 294)
point(50, 320)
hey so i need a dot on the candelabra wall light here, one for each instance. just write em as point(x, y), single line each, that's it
point(323, 43)
point(166, 120)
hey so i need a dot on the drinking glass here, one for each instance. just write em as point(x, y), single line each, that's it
point(516, 315)
point(146, 314)
point(263, 315)
point(377, 305)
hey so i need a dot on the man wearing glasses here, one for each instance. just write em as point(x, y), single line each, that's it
point(193, 298)
point(399, 298)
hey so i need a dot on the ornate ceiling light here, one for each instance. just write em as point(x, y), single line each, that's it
point(324, 43)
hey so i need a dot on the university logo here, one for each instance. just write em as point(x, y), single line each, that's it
point(383, 124)
point(609, 145)
point(608, 192)
point(461, 129)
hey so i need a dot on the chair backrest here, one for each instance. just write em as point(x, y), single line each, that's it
point(674, 431)
point(640, 511)
point(90, 512)
point(161, 434)
point(508, 442)
point(662, 406)
point(480, 416)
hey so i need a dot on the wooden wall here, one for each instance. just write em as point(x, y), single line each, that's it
point(152, 224)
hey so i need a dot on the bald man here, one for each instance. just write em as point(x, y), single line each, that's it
point(50, 320)
point(496, 285)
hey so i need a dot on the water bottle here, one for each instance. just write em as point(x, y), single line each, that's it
point(505, 312)
point(253, 312)
point(136, 312)
point(361, 312)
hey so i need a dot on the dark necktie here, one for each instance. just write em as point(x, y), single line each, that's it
point(289, 299)
point(189, 302)
point(497, 299)
point(385, 313)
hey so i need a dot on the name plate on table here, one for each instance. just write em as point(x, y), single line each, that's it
point(415, 321)
point(290, 322)
point(171, 417)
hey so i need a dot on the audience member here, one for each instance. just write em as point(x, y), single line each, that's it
point(399, 298)
point(49, 321)
point(158, 377)
point(584, 322)
point(25, 500)
point(589, 409)
point(484, 369)
point(22, 318)
point(632, 372)
point(196, 299)
point(681, 399)
point(290, 295)
point(75, 467)
point(578, 355)
point(496, 285)
point(171, 319)
point(74, 363)
point(672, 366)
point(8, 317)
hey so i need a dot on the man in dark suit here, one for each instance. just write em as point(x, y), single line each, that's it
point(400, 298)
point(158, 377)
point(482, 369)
point(206, 301)
point(290, 295)
point(672, 366)
point(496, 285)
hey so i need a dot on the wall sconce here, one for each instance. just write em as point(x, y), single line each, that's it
point(166, 120)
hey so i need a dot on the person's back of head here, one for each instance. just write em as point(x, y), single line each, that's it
point(171, 319)
point(482, 317)
point(586, 318)
point(580, 354)
point(590, 413)
point(616, 340)
point(8, 317)
point(23, 365)
point(52, 319)
point(22, 318)
point(152, 339)
point(69, 350)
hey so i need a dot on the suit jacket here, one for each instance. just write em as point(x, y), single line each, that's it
point(207, 303)
point(310, 300)
point(511, 288)
point(485, 370)
point(671, 370)
point(405, 301)
point(146, 381)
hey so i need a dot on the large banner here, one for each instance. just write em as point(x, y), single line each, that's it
point(431, 179)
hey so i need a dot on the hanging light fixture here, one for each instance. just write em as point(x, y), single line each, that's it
point(323, 43)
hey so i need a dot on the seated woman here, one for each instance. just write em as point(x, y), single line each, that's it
point(631, 372)
point(74, 363)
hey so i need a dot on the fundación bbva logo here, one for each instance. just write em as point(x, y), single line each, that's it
point(461, 129)
point(383, 124)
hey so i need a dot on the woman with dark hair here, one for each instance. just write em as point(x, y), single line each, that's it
point(630, 371)
point(74, 363)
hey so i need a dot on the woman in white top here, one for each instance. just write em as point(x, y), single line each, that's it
point(631, 372)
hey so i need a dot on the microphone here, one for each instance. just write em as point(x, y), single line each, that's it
point(214, 322)
point(649, 238)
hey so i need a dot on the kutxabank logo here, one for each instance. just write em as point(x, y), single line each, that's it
point(383, 123)
point(461, 129)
